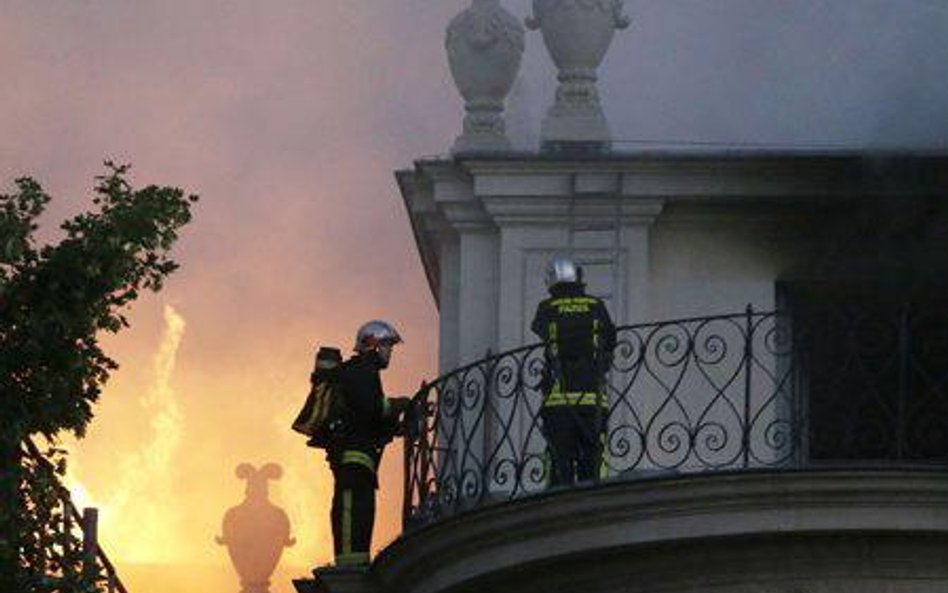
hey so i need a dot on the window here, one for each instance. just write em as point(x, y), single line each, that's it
point(874, 370)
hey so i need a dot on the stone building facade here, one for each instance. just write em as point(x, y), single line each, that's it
point(778, 417)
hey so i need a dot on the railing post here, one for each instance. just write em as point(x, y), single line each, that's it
point(67, 536)
point(489, 425)
point(90, 541)
point(904, 361)
point(801, 408)
point(425, 451)
point(411, 433)
point(748, 364)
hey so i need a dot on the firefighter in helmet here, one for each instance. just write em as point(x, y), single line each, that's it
point(370, 422)
point(580, 338)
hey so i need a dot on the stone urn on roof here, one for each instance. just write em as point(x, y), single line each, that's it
point(577, 34)
point(484, 45)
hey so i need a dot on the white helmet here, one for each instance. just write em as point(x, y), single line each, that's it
point(562, 269)
point(374, 334)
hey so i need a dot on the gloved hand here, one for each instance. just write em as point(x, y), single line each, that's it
point(400, 404)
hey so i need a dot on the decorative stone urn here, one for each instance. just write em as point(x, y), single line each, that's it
point(577, 33)
point(484, 45)
point(256, 531)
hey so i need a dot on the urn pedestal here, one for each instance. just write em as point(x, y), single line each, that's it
point(577, 34)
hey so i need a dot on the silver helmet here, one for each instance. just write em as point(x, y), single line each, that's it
point(374, 334)
point(562, 269)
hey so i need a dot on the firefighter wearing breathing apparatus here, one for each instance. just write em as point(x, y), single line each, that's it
point(370, 421)
point(580, 338)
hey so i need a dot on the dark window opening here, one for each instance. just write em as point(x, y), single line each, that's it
point(874, 370)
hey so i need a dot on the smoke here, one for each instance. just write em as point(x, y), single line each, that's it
point(521, 124)
point(142, 518)
point(78, 493)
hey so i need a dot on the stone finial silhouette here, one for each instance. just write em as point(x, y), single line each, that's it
point(256, 531)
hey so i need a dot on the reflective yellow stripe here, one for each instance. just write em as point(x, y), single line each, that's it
point(576, 398)
point(346, 523)
point(573, 301)
point(352, 559)
point(552, 337)
point(358, 458)
point(581, 304)
point(563, 309)
point(596, 334)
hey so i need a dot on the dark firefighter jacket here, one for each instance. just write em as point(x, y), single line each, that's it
point(368, 424)
point(580, 337)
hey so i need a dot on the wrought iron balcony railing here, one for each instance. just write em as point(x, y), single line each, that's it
point(727, 393)
point(73, 560)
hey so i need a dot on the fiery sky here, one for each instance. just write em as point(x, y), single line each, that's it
point(288, 117)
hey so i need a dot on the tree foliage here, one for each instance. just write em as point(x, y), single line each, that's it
point(55, 302)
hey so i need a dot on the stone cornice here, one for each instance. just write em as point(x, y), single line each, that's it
point(416, 196)
point(466, 216)
point(454, 198)
point(707, 177)
point(557, 210)
point(477, 193)
point(603, 520)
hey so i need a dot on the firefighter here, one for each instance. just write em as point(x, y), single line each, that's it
point(579, 337)
point(370, 421)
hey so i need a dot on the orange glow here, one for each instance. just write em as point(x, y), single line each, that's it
point(138, 517)
point(287, 123)
point(160, 456)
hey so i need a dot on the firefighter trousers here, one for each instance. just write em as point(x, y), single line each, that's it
point(573, 433)
point(353, 513)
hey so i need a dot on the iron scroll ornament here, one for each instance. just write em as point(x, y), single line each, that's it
point(709, 394)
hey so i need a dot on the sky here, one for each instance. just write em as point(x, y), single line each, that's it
point(288, 117)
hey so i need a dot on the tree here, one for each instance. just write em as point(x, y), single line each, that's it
point(55, 301)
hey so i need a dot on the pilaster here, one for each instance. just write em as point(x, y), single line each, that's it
point(477, 323)
point(638, 216)
point(469, 263)
point(449, 290)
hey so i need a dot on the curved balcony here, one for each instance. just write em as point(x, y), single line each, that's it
point(747, 392)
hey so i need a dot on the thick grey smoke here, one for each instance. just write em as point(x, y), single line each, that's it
point(857, 73)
